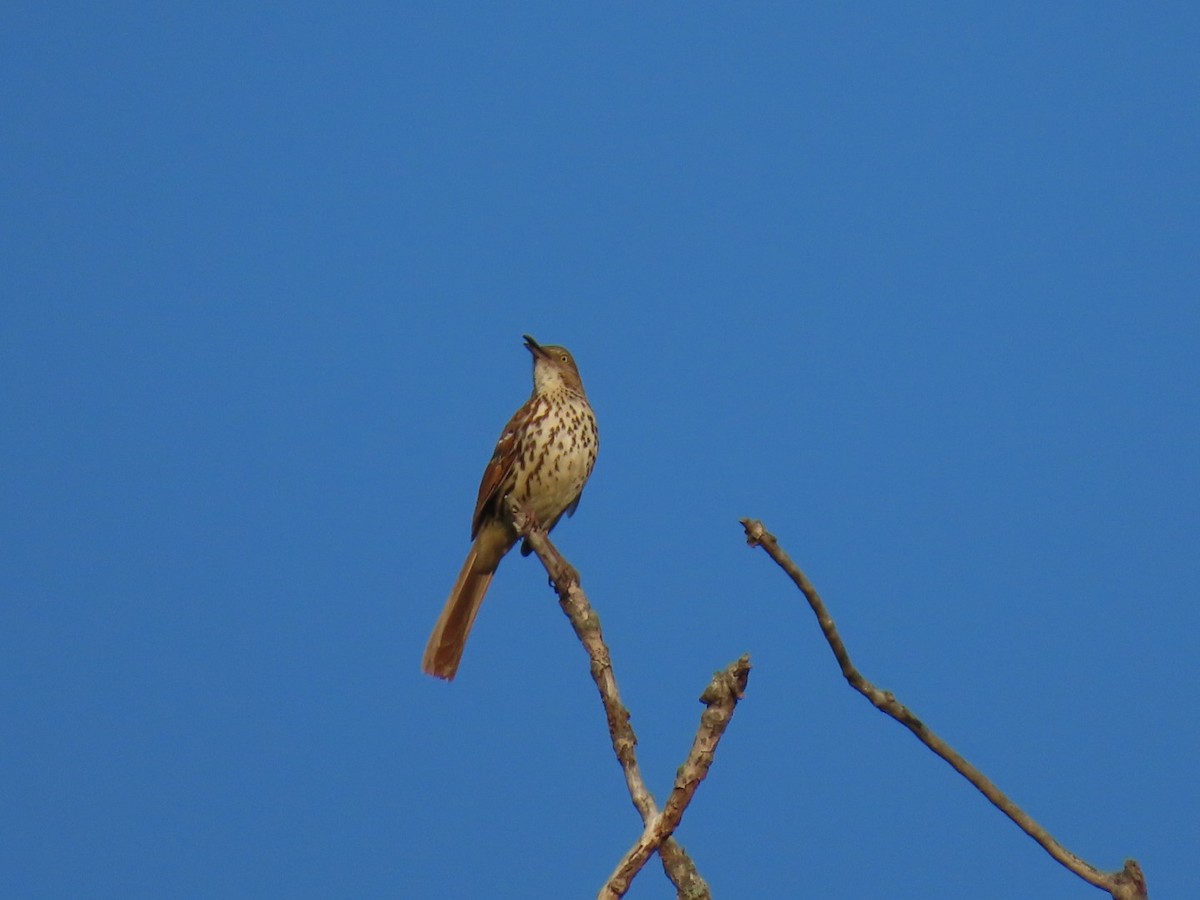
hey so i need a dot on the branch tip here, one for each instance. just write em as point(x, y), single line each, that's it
point(754, 531)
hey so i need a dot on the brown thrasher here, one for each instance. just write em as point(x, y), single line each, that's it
point(541, 462)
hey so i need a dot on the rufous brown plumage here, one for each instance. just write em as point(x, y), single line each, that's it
point(541, 462)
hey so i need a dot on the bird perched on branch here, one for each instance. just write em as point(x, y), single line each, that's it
point(541, 463)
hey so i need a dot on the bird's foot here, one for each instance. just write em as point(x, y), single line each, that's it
point(525, 520)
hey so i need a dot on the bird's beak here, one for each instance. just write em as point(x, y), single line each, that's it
point(533, 346)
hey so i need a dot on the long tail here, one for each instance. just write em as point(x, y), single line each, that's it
point(445, 648)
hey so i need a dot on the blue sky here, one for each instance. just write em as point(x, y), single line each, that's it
point(917, 285)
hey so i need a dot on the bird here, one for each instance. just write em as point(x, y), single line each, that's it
point(541, 463)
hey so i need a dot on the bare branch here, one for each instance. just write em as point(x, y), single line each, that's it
point(720, 697)
point(574, 602)
point(1127, 884)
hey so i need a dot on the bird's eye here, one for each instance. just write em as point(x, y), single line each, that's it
point(564, 357)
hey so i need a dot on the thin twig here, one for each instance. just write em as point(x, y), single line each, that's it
point(574, 602)
point(727, 687)
point(1127, 884)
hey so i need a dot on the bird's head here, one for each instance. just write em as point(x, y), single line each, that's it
point(553, 368)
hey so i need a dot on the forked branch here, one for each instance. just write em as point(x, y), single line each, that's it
point(1127, 884)
point(720, 697)
point(574, 602)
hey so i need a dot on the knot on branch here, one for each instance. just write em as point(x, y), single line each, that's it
point(1130, 882)
point(728, 685)
point(754, 531)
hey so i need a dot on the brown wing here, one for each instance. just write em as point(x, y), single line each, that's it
point(499, 468)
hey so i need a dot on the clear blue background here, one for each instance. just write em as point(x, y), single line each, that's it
point(919, 286)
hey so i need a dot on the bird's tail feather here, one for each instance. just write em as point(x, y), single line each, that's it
point(445, 648)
